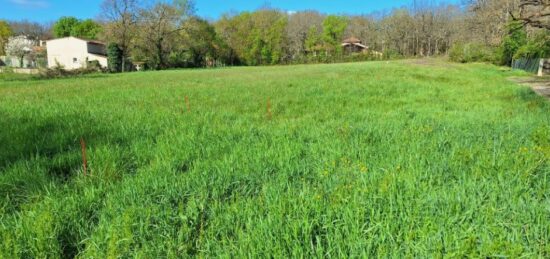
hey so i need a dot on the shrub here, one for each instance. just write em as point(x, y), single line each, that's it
point(536, 47)
point(471, 52)
point(392, 54)
point(456, 53)
point(60, 72)
point(114, 58)
point(94, 64)
point(516, 38)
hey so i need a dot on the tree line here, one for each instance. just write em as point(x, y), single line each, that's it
point(162, 34)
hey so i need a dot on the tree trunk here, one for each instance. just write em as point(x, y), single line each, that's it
point(159, 54)
point(123, 61)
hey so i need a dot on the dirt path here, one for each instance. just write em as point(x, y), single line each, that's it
point(541, 85)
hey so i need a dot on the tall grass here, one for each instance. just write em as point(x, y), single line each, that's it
point(358, 160)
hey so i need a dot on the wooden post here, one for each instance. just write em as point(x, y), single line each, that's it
point(544, 67)
point(84, 160)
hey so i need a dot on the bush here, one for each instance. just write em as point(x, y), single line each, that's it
point(536, 47)
point(515, 45)
point(516, 38)
point(471, 52)
point(94, 64)
point(60, 72)
point(114, 58)
point(392, 54)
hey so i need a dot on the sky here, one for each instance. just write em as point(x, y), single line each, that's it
point(51, 10)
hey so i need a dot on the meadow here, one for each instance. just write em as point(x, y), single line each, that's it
point(378, 159)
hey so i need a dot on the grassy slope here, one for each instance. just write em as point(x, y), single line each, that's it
point(358, 159)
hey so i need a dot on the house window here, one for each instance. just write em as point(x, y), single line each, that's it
point(75, 60)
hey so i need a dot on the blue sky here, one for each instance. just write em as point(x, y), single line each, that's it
point(50, 10)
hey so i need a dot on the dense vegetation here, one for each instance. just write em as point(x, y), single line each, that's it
point(168, 34)
point(516, 44)
point(403, 159)
point(70, 26)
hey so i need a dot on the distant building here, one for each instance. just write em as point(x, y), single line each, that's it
point(354, 45)
point(74, 53)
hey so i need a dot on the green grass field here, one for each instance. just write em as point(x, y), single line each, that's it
point(379, 159)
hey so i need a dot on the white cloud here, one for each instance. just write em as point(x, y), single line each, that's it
point(31, 3)
point(290, 12)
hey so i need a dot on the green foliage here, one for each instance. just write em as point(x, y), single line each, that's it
point(87, 29)
point(471, 52)
point(64, 26)
point(114, 58)
point(313, 39)
point(5, 33)
point(333, 32)
point(275, 50)
point(517, 44)
point(266, 39)
point(516, 38)
point(392, 54)
point(537, 46)
point(200, 46)
point(363, 160)
point(71, 26)
point(257, 38)
point(60, 72)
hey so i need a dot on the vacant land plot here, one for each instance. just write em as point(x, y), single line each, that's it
point(389, 159)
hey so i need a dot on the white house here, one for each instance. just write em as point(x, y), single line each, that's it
point(73, 53)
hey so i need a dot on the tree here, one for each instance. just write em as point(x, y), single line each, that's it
point(234, 30)
point(86, 29)
point(398, 33)
point(33, 30)
point(267, 39)
point(537, 46)
point(333, 32)
point(297, 31)
point(256, 38)
point(277, 42)
point(5, 34)
point(535, 13)
point(121, 20)
point(516, 38)
point(64, 27)
point(363, 28)
point(159, 26)
point(486, 20)
point(313, 39)
point(19, 47)
point(200, 46)
point(114, 58)
point(70, 26)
